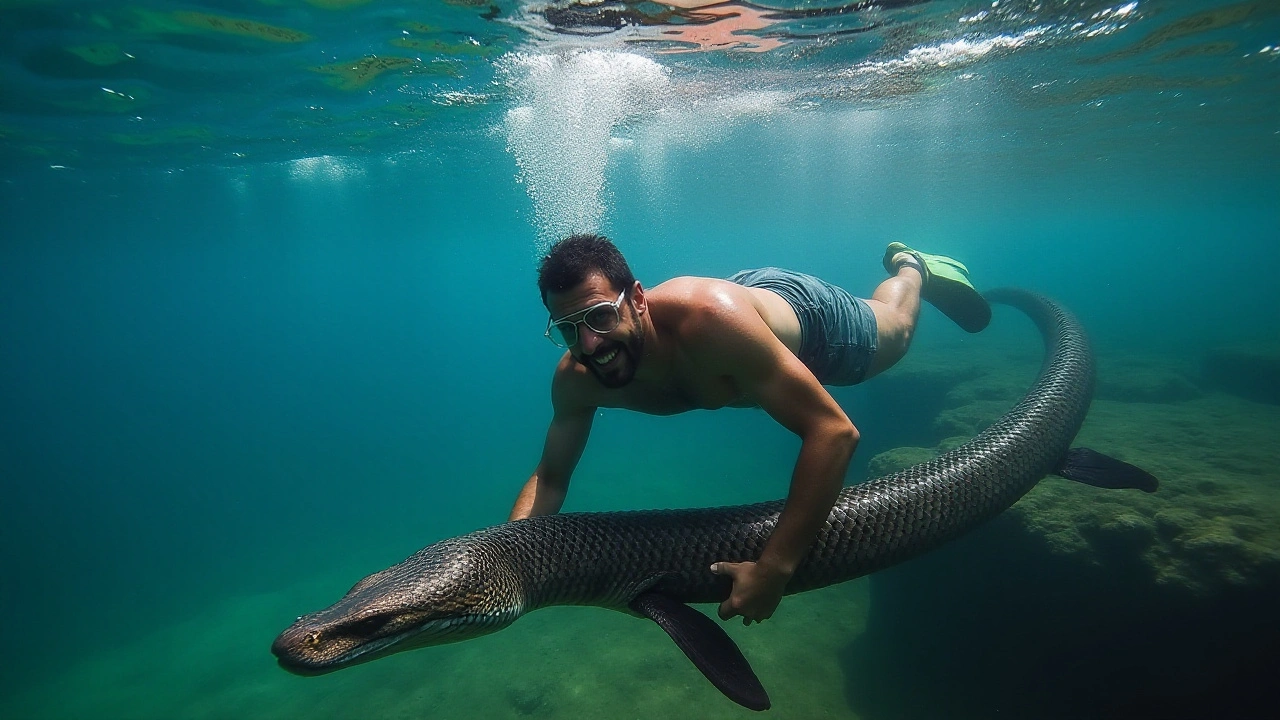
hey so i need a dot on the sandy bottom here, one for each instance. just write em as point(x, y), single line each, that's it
point(558, 662)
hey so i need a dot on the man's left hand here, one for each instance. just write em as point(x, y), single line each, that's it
point(757, 590)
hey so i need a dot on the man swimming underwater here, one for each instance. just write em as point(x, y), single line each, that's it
point(769, 338)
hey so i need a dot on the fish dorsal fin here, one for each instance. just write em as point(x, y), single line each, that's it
point(708, 646)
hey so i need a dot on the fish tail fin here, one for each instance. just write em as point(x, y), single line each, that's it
point(1093, 468)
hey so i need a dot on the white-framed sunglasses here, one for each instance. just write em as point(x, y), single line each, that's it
point(601, 318)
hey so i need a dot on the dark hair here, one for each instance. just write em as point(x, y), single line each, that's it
point(569, 262)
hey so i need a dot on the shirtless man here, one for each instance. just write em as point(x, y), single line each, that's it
point(769, 338)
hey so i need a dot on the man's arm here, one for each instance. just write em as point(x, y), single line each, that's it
point(788, 391)
point(545, 490)
point(826, 448)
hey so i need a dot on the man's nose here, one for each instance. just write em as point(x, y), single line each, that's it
point(589, 339)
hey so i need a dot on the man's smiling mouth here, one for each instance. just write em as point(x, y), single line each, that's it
point(606, 358)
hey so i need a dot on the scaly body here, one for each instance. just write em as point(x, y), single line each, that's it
point(480, 582)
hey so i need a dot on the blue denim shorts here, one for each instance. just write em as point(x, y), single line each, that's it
point(837, 330)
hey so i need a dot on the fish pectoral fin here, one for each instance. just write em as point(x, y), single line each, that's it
point(708, 646)
point(1093, 468)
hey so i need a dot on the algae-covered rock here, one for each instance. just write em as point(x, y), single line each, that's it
point(1172, 522)
point(969, 419)
point(891, 461)
point(1213, 524)
point(1005, 388)
point(1126, 532)
point(934, 375)
point(1148, 380)
point(1075, 586)
point(906, 400)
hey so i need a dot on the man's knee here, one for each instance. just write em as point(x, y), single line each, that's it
point(896, 342)
point(894, 325)
point(894, 332)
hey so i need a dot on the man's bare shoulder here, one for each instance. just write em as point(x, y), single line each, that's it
point(699, 300)
point(711, 314)
point(573, 389)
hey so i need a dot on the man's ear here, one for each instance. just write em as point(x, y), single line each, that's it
point(637, 298)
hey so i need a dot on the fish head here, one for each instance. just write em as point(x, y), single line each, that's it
point(453, 590)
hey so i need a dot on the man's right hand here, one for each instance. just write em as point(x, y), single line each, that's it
point(756, 591)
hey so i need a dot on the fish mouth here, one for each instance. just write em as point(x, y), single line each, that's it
point(294, 668)
point(292, 655)
point(304, 649)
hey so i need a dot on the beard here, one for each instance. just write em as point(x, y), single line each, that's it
point(622, 369)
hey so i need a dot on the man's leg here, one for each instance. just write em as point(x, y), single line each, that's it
point(896, 305)
point(942, 281)
point(945, 285)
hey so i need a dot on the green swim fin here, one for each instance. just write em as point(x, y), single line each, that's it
point(946, 287)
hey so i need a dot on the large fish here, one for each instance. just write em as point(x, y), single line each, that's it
point(652, 563)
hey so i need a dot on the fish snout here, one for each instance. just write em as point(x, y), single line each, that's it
point(297, 650)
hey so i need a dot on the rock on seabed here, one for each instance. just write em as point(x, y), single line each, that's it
point(1080, 601)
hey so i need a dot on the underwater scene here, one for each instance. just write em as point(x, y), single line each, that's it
point(270, 323)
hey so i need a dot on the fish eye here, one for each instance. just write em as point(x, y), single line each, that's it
point(370, 626)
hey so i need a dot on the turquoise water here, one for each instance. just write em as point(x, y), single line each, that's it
point(270, 324)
